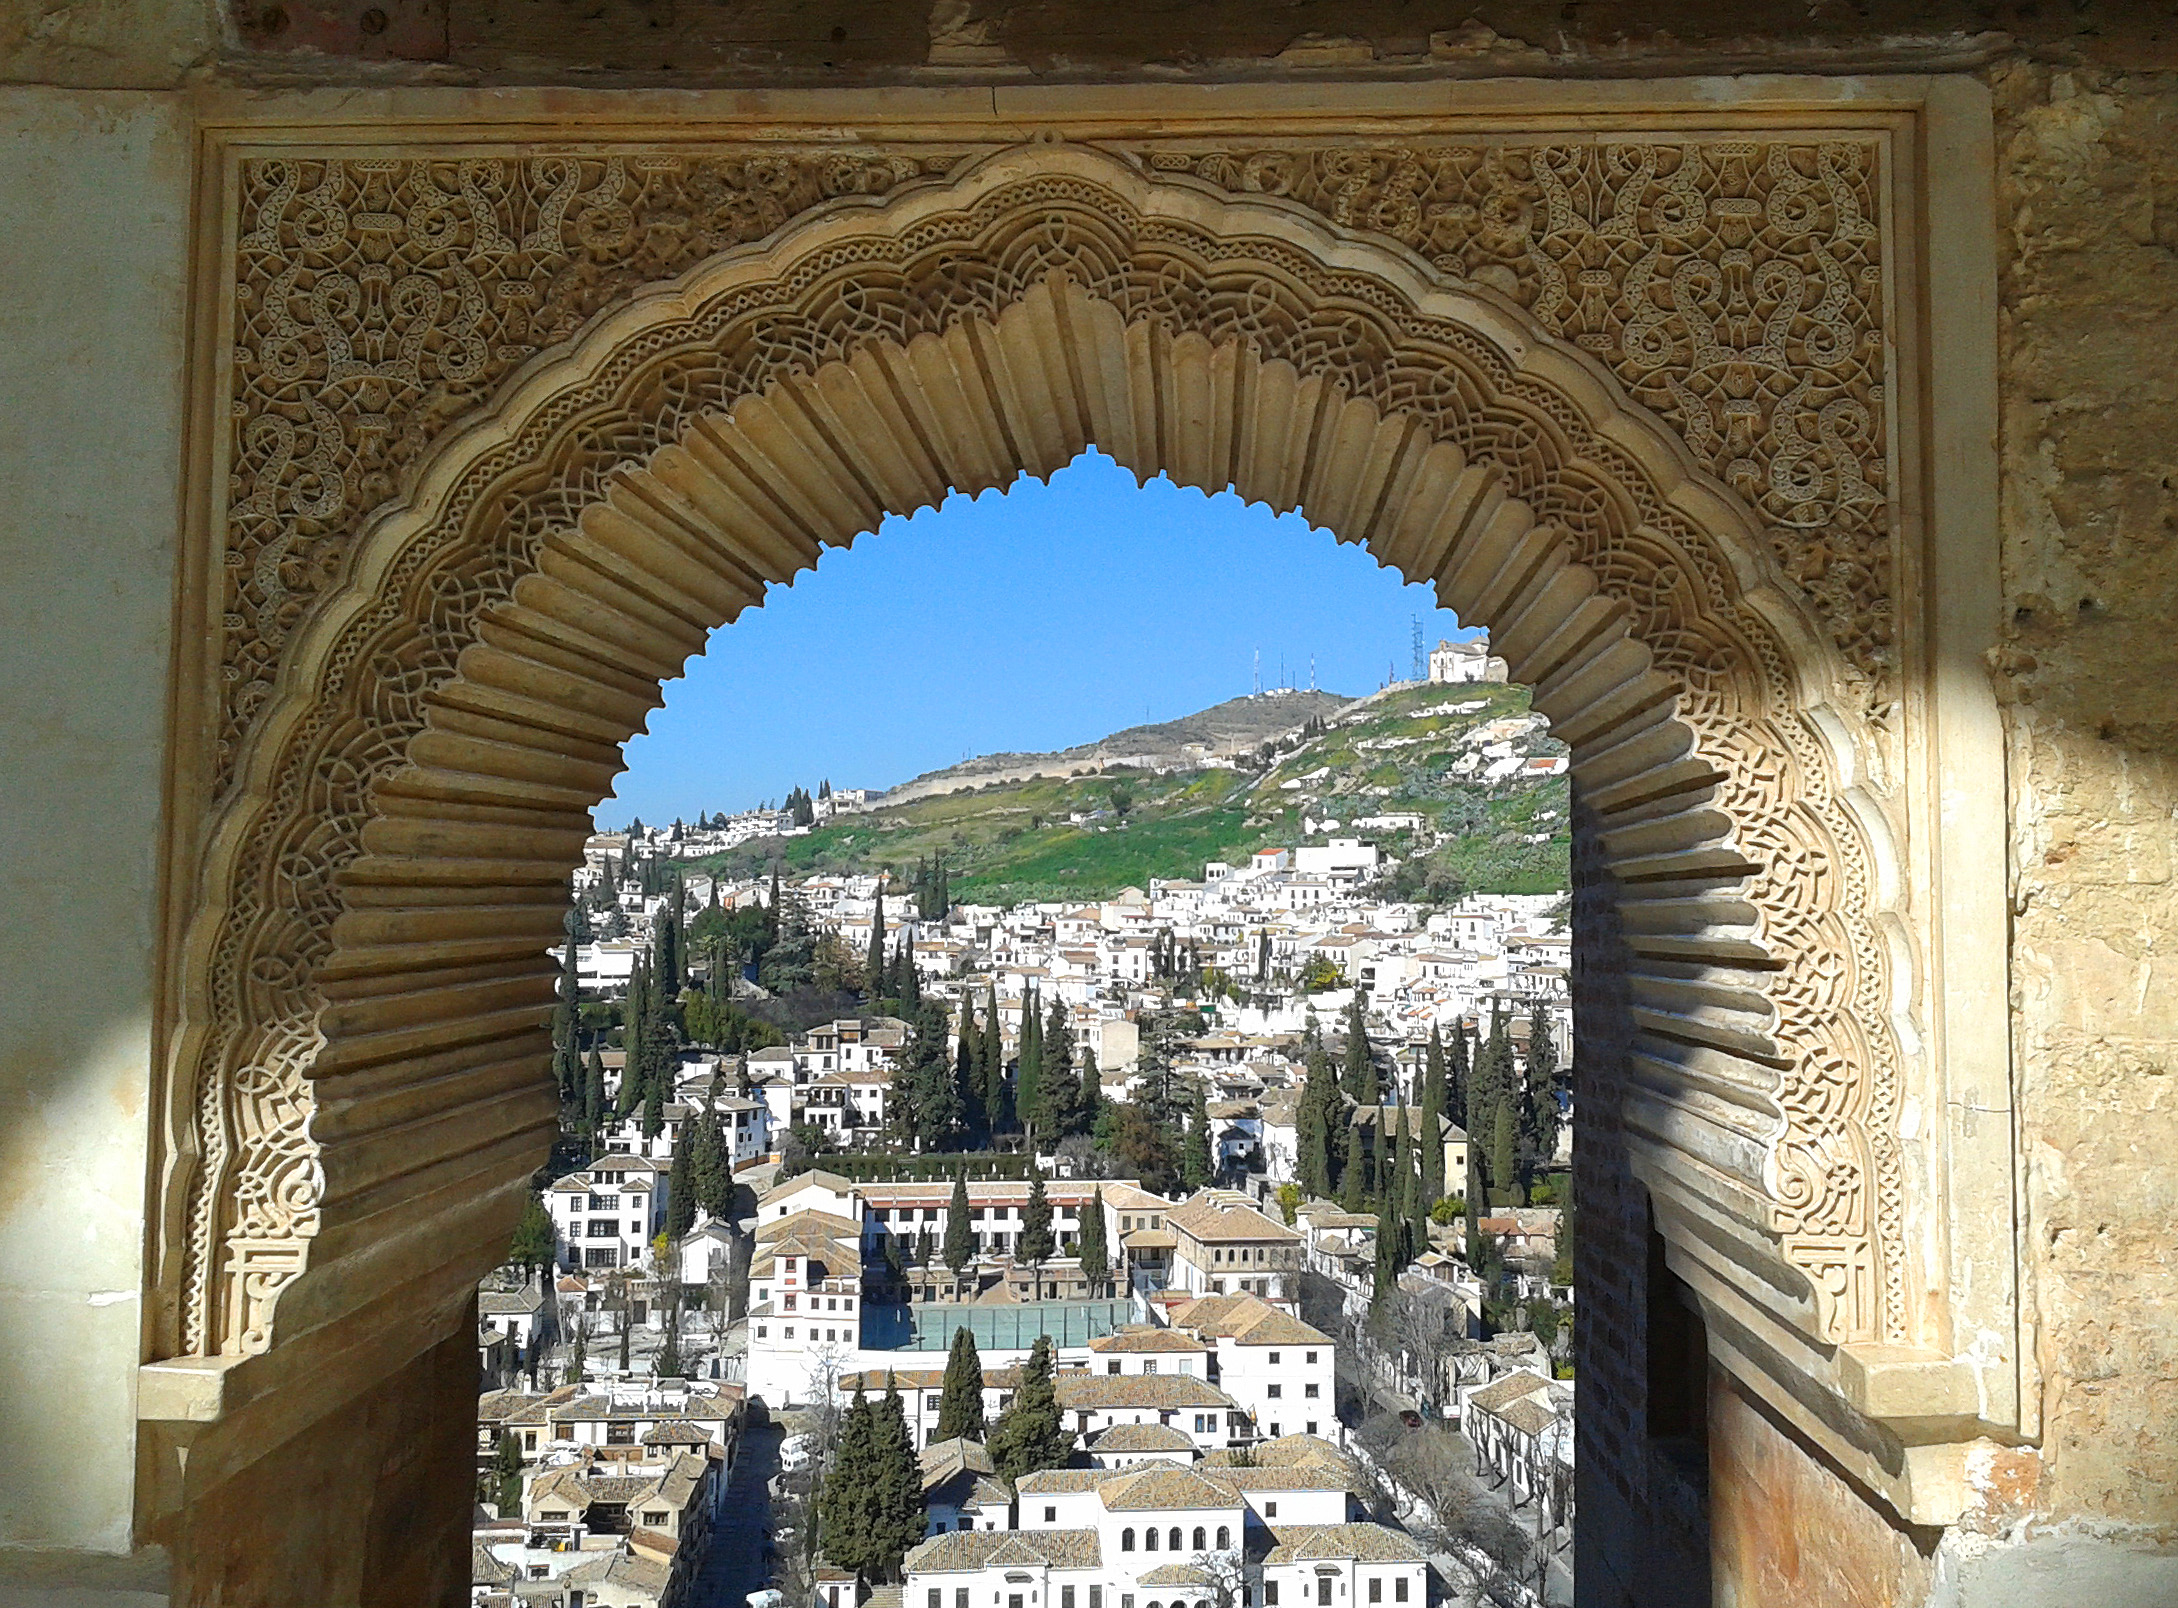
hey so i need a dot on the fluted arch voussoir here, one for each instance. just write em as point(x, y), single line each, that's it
point(506, 628)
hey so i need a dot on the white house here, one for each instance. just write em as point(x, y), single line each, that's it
point(607, 1214)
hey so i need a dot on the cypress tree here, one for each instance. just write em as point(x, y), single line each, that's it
point(1036, 1245)
point(960, 1239)
point(1062, 1089)
point(996, 1109)
point(843, 1515)
point(1091, 1103)
point(659, 1060)
point(896, 1496)
point(714, 1169)
point(1197, 1165)
point(1539, 1093)
point(1431, 1138)
point(1029, 1104)
point(1315, 1125)
point(968, 1070)
point(960, 1409)
point(1421, 1146)
point(593, 1095)
point(1031, 1434)
point(1456, 1077)
point(566, 1058)
point(681, 1187)
point(1095, 1258)
point(1352, 1196)
point(873, 966)
point(1504, 1149)
point(1359, 1077)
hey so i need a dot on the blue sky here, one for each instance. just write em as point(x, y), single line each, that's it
point(1037, 618)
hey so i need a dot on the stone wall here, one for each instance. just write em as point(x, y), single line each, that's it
point(2089, 200)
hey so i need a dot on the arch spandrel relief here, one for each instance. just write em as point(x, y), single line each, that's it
point(471, 399)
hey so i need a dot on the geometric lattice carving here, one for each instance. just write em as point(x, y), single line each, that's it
point(1050, 296)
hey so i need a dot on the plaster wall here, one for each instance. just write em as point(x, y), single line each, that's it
point(94, 188)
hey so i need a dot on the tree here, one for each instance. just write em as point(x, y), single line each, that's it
point(1090, 1105)
point(843, 1506)
point(1352, 1195)
point(531, 1248)
point(659, 1058)
point(997, 1113)
point(666, 940)
point(1431, 1138)
point(681, 1186)
point(873, 965)
point(1062, 1088)
point(566, 1013)
point(1197, 1164)
point(1456, 1077)
point(1095, 1258)
point(1359, 1076)
point(960, 1239)
point(1504, 1147)
point(593, 1096)
point(968, 1071)
point(712, 1169)
point(1031, 1434)
point(960, 1409)
point(507, 1475)
point(896, 1497)
point(1538, 1137)
point(1029, 1103)
point(930, 1107)
point(1316, 1124)
point(1036, 1247)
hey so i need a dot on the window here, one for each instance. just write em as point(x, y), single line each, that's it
point(1376, 1591)
point(1311, 1358)
point(1323, 1588)
point(1149, 1366)
point(1270, 1594)
point(1225, 1537)
point(1270, 1510)
point(1312, 1391)
point(1149, 1539)
point(1399, 1589)
point(1051, 1514)
point(1312, 1426)
point(1202, 1539)
point(1126, 1540)
point(1112, 1367)
point(654, 1516)
point(1274, 1430)
point(1274, 1359)
point(790, 1300)
point(790, 1331)
point(529, 1440)
point(936, 1598)
point(763, 1331)
point(960, 1597)
point(1066, 1597)
point(1096, 1597)
point(1173, 1540)
point(1277, 1392)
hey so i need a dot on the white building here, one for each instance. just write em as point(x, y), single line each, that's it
point(1280, 1371)
point(1454, 662)
point(606, 1215)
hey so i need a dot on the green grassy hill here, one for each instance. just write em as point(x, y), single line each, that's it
point(1008, 842)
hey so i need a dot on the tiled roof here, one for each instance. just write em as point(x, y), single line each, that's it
point(1158, 1486)
point(1173, 1574)
point(965, 1551)
point(486, 1570)
point(1046, 1481)
point(1289, 1451)
point(1211, 1215)
point(1495, 1397)
point(1141, 1438)
point(1084, 1393)
point(944, 1460)
point(1145, 1337)
point(1369, 1543)
point(1531, 1414)
point(1249, 1319)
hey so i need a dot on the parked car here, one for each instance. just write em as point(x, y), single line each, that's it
point(794, 1453)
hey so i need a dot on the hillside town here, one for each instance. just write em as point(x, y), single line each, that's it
point(1204, 1243)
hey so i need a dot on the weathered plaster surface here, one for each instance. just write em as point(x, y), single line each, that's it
point(95, 191)
point(2089, 673)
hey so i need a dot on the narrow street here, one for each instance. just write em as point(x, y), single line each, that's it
point(737, 1563)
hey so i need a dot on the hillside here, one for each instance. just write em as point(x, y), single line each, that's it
point(1228, 730)
point(1397, 753)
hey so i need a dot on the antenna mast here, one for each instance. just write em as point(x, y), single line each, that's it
point(1421, 663)
point(1258, 672)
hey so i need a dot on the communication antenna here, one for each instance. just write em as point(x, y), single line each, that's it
point(1311, 672)
point(1258, 672)
point(1421, 664)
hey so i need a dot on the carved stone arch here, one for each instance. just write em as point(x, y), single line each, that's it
point(365, 981)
